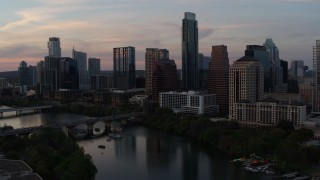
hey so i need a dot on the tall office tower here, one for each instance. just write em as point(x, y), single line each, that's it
point(274, 61)
point(50, 76)
point(284, 66)
point(297, 69)
point(203, 66)
point(219, 77)
point(262, 54)
point(69, 78)
point(27, 75)
point(245, 82)
point(81, 59)
point(124, 67)
point(94, 66)
point(164, 77)
point(316, 78)
point(40, 66)
point(190, 71)
point(54, 47)
point(151, 57)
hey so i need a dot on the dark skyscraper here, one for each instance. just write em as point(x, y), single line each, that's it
point(124, 68)
point(151, 57)
point(69, 78)
point(190, 71)
point(27, 75)
point(219, 77)
point(284, 66)
point(260, 53)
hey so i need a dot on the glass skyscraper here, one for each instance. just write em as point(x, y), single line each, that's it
point(190, 71)
point(124, 67)
point(54, 47)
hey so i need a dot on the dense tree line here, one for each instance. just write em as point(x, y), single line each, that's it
point(51, 154)
point(282, 144)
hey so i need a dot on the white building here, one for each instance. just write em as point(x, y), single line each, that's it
point(189, 102)
point(245, 82)
point(269, 112)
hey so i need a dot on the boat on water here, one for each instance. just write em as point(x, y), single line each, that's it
point(101, 146)
point(115, 135)
point(108, 139)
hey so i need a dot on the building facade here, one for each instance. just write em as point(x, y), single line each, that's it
point(94, 66)
point(69, 77)
point(190, 70)
point(54, 47)
point(261, 53)
point(316, 78)
point(297, 69)
point(274, 61)
point(164, 78)
point(219, 77)
point(190, 102)
point(27, 75)
point(151, 57)
point(269, 112)
point(81, 59)
point(124, 67)
point(245, 82)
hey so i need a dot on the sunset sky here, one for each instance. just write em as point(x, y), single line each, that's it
point(97, 26)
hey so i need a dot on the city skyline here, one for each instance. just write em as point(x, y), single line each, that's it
point(96, 27)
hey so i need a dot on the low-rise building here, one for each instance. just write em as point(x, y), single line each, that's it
point(190, 102)
point(269, 112)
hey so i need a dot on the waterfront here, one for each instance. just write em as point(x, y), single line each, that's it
point(145, 153)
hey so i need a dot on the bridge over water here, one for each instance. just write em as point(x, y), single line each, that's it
point(22, 110)
point(71, 125)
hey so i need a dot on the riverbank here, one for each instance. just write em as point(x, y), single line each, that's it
point(282, 145)
point(51, 154)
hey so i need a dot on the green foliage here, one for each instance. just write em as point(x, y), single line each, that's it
point(51, 154)
point(283, 144)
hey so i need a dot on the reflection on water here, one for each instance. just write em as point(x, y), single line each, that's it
point(144, 153)
point(148, 154)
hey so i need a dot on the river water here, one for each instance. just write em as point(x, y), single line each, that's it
point(145, 154)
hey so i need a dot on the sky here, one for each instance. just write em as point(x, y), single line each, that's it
point(97, 26)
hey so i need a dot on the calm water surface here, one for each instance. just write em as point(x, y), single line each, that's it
point(145, 154)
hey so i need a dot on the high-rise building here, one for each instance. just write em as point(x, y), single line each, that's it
point(49, 74)
point(69, 77)
point(27, 75)
point(297, 69)
point(54, 47)
point(81, 59)
point(151, 57)
point(190, 70)
point(124, 67)
point(203, 66)
point(164, 77)
point(284, 67)
point(245, 82)
point(262, 54)
point(94, 66)
point(219, 77)
point(274, 61)
point(316, 78)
